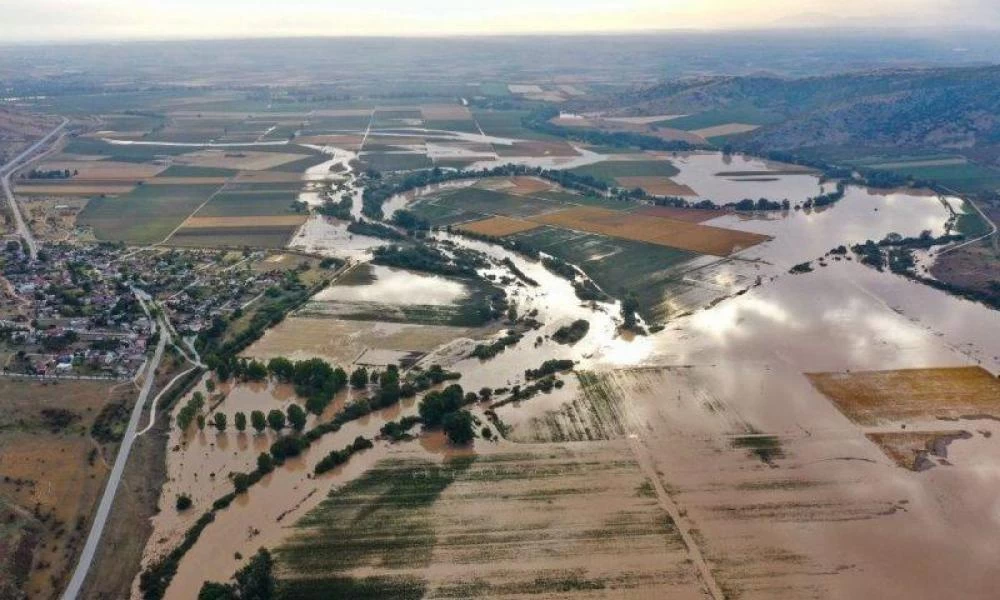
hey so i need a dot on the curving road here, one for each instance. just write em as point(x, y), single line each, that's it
point(21, 160)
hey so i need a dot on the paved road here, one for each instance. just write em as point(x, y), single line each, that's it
point(7, 170)
point(104, 509)
point(993, 227)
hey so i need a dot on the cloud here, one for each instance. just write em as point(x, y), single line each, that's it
point(43, 20)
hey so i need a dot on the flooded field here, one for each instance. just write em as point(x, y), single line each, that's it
point(705, 460)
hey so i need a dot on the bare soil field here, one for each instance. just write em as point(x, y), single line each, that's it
point(349, 142)
point(445, 112)
point(521, 186)
point(73, 189)
point(655, 230)
point(53, 469)
point(87, 170)
point(692, 215)
point(874, 397)
point(544, 521)
point(243, 160)
point(52, 219)
point(524, 89)
point(245, 222)
point(498, 226)
point(657, 186)
point(727, 129)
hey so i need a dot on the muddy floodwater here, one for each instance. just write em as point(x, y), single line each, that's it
point(772, 490)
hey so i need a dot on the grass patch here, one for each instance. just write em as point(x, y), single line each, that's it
point(507, 124)
point(616, 264)
point(227, 237)
point(610, 170)
point(189, 171)
point(250, 204)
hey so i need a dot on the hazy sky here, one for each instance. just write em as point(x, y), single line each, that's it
point(43, 20)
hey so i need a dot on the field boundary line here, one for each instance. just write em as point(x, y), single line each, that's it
point(670, 507)
point(181, 226)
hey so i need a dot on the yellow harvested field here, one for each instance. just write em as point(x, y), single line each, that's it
point(73, 189)
point(692, 215)
point(727, 129)
point(498, 226)
point(445, 112)
point(909, 449)
point(658, 186)
point(245, 222)
point(93, 169)
point(247, 160)
point(654, 230)
point(873, 397)
point(530, 185)
point(520, 185)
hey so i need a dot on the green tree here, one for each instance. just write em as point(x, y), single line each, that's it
point(458, 427)
point(258, 421)
point(240, 419)
point(256, 371)
point(296, 417)
point(281, 368)
point(219, 420)
point(265, 464)
point(630, 305)
point(359, 378)
point(241, 481)
point(183, 502)
point(201, 422)
point(276, 419)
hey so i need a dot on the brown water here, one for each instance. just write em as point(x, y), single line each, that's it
point(736, 365)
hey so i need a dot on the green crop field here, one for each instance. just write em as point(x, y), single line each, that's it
point(145, 215)
point(384, 161)
point(249, 204)
point(463, 125)
point(455, 206)
point(616, 265)
point(122, 152)
point(227, 237)
point(609, 170)
point(507, 123)
point(963, 178)
point(189, 171)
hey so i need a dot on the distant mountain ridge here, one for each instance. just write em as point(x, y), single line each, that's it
point(956, 109)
